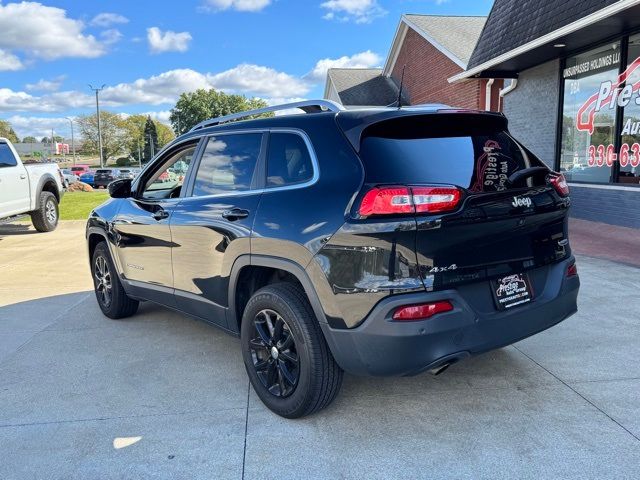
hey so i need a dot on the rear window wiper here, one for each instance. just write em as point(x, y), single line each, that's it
point(530, 172)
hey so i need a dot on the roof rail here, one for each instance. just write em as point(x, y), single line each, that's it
point(307, 106)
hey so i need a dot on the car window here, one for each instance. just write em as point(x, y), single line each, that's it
point(288, 161)
point(7, 158)
point(228, 164)
point(167, 181)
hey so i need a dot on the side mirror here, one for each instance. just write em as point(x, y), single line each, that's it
point(120, 188)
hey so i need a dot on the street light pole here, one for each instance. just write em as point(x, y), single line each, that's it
point(73, 143)
point(98, 90)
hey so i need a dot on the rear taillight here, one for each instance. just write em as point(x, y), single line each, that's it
point(401, 199)
point(422, 312)
point(560, 184)
point(435, 199)
point(572, 270)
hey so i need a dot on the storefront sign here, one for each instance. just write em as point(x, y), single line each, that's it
point(603, 62)
point(609, 95)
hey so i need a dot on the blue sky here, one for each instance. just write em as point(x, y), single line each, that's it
point(148, 52)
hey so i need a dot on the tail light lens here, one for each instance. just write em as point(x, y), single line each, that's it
point(560, 184)
point(401, 199)
point(423, 311)
point(572, 270)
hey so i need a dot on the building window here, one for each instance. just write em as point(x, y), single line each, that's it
point(629, 155)
point(589, 114)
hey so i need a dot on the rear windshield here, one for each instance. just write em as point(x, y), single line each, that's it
point(77, 169)
point(469, 154)
point(103, 171)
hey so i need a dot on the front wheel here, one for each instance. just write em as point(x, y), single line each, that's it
point(286, 356)
point(112, 299)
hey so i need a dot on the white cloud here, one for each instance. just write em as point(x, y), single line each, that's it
point(168, 41)
point(111, 36)
point(161, 116)
point(107, 19)
point(45, 32)
point(43, 85)
point(359, 11)
point(40, 126)
point(367, 59)
point(240, 5)
point(258, 80)
point(9, 62)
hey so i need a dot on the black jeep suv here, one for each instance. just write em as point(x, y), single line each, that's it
point(375, 241)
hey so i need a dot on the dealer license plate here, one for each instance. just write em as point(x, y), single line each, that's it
point(512, 291)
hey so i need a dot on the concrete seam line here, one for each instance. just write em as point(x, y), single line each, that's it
point(246, 427)
point(581, 396)
point(118, 417)
point(55, 320)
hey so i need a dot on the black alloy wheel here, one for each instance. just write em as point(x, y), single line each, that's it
point(274, 354)
point(103, 285)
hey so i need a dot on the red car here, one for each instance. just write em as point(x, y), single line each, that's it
point(78, 170)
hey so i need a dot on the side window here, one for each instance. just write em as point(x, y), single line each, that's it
point(6, 156)
point(288, 161)
point(228, 164)
point(166, 182)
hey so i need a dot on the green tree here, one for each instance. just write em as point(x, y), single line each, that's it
point(7, 132)
point(114, 134)
point(150, 140)
point(195, 107)
point(135, 127)
point(29, 139)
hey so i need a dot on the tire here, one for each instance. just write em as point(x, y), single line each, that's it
point(111, 297)
point(268, 353)
point(45, 218)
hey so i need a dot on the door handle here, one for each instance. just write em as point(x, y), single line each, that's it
point(235, 214)
point(160, 215)
point(22, 176)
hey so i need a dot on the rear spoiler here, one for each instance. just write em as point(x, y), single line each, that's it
point(354, 122)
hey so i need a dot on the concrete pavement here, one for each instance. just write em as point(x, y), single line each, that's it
point(163, 396)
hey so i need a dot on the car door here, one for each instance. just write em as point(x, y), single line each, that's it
point(212, 225)
point(14, 184)
point(142, 226)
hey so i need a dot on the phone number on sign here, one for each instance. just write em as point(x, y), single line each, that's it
point(606, 155)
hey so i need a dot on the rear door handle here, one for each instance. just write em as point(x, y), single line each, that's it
point(235, 214)
point(160, 214)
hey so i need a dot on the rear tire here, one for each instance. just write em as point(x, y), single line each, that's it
point(111, 297)
point(285, 354)
point(45, 218)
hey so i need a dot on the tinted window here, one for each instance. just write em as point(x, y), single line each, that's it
point(6, 156)
point(228, 164)
point(288, 161)
point(480, 159)
point(103, 171)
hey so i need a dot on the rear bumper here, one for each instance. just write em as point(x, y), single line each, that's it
point(383, 347)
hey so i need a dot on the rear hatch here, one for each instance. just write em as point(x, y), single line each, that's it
point(485, 207)
point(103, 174)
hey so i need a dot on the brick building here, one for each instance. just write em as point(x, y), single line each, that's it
point(429, 49)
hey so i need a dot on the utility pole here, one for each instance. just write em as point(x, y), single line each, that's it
point(139, 154)
point(53, 152)
point(98, 90)
point(73, 143)
point(152, 149)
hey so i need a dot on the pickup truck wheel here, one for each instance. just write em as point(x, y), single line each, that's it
point(112, 299)
point(284, 351)
point(45, 218)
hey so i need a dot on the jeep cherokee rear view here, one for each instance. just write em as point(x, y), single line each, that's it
point(376, 241)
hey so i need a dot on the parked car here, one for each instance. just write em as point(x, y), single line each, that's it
point(69, 177)
point(34, 189)
point(104, 176)
point(87, 178)
point(79, 169)
point(126, 173)
point(379, 241)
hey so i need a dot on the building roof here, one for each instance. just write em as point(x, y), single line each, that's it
point(363, 86)
point(457, 34)
point(520, 34)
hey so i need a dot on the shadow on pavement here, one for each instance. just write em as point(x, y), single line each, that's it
point(16, 229)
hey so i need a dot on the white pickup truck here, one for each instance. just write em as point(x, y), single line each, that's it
point(34, 189)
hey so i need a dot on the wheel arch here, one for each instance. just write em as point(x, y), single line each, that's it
point(251, 261)
point(46, 183)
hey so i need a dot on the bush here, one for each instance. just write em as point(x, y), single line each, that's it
point(122, 161)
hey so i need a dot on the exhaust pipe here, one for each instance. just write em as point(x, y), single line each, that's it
point(438, 370)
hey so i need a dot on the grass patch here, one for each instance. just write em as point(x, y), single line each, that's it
point(78, 205)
